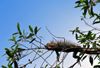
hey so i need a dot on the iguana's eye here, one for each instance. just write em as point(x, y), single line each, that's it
point(51, 46)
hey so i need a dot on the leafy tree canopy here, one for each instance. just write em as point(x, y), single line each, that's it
point(87, 38)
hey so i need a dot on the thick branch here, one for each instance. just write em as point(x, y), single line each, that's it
point(78, 49)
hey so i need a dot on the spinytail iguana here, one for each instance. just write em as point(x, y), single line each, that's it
point(70, 47)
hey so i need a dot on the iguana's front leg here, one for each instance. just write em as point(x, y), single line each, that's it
point(77, 57)
point(57, 55)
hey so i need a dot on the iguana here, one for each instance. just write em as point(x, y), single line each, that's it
point(70, 47)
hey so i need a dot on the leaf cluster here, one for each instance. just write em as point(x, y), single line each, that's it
point(88, 38)
point(14, 53)
point(87, 6)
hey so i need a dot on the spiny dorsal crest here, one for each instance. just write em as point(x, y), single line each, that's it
point(61, 43)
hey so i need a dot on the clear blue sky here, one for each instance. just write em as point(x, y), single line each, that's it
point(59, 16)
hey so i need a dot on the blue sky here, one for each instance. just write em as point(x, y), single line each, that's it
point(59, 16)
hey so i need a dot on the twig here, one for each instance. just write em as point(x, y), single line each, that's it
point(40, 42)
point(91, 26)
point(33, 60)
point(32, 43)
point(39, 39)
point(57, 59)
point(54, 35)
point(47, 57)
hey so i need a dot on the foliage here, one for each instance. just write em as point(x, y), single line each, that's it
point(87, 38)
point(15, 53)
point(87, 6)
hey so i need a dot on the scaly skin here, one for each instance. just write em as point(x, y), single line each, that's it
point(71, 47)
point(61, 46)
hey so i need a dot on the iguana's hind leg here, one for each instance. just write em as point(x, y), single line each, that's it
point(77, 57)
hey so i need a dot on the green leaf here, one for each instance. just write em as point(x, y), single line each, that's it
point(90, 1)
point(15, 33)
point(12, 46)
point(20, 36)
point(76, 36)
point(20, 32)
point(89, 34)
point(8, 58)
point(30, 35)
point(38, 29)
point(14, 38)
point(91, 17)
point(94, 44)
point(95, 57)
point(77, 29)
point(18, 40)
point(91, 60)
point(24, 32)
point(80, 54)
point(86, 2)
point(81, 18)
point(81, 1)
point(96, 66)
point(35, 30)
point(25, 37)
point(85, 7)
point(84, 57)
point(83, 40)
point(9, 53)
point(10, 66)
point(89, 12)
point(46, 65)
point(84, 45)
point(16, 48)
point(80, 6)
point(9, 63)
point(58, 66)
point(92, 13)
point(98, 62)
point(78, 2)
point(85, 10)
point(10, 40)
point(20, 49)
point(3, 54)
point(76, 6)
point(7, 49)
point(39, 51)
point(3, 66)
point(72, 31)
point(31, 29)
point(93, 37)
point(18, 26)
point(96, 22)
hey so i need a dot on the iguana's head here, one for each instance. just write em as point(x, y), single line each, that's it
point(50, 45)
